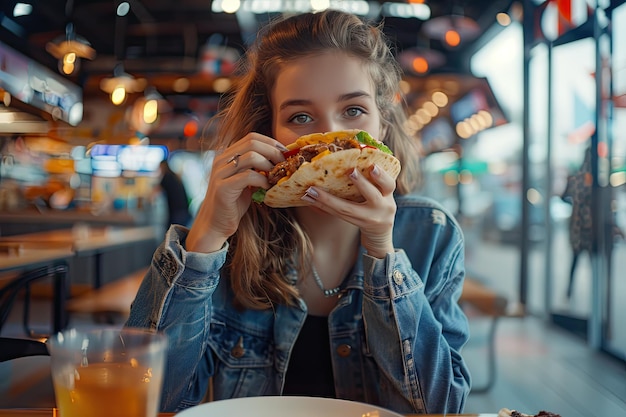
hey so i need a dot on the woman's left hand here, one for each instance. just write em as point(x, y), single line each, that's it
point(374, 216)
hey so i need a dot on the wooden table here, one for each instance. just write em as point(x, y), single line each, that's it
point(85, 238)
point(17, 256)
point(88, 241)
point(52, 412)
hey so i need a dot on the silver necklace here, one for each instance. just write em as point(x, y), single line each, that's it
point(327, 292)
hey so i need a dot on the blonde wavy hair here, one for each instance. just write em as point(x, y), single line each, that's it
point(269, 243)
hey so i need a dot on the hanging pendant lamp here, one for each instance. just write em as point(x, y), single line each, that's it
point(69, 50)
point(121, 84)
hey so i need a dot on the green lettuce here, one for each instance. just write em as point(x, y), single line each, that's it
point(366, 139)
point(258, 196)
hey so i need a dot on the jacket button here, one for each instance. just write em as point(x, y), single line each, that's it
point(238, 350)
point(398, 277)
point(344, 350)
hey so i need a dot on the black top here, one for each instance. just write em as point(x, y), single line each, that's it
point(310, 371)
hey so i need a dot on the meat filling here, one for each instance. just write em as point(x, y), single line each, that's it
point(306, 154)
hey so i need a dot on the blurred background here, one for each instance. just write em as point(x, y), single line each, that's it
point(506, 99)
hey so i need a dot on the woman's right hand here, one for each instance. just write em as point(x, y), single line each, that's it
point(235, 175)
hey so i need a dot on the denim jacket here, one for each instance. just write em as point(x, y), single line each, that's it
point(396, 333)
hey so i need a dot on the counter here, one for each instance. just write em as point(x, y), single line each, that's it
point(31, 220)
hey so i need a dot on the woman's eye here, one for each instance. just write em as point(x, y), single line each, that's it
point(300, 119)
point(354, 112)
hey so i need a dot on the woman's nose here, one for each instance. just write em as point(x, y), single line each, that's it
point(329, 125)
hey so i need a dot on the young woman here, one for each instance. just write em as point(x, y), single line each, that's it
point(241, 294)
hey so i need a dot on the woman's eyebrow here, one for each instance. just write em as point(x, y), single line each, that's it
point(343, 97)
point(355, 94)
point(294, 102)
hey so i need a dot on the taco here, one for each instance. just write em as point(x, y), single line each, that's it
point(324, 160)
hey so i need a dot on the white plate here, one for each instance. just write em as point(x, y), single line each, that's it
point(287, 406)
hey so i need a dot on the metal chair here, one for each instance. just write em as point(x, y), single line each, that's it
point(10, 293)
point(14, 348)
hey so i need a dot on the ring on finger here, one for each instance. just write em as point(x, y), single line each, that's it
point(234, 160)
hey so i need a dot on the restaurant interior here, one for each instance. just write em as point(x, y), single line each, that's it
point(506, 100)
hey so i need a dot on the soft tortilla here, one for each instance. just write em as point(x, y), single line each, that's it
point(330, 173)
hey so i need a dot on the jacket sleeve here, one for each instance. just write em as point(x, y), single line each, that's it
point(175, 298)
point(411, 300)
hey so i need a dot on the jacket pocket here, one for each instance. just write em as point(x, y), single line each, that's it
point(243, 361)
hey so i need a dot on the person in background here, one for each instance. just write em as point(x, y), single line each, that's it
point(176, 196)
point(338, 299)
point(579, 193)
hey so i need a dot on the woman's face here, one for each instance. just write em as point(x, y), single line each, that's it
point(323, 93)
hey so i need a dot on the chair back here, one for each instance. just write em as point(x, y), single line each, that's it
point(14, 348)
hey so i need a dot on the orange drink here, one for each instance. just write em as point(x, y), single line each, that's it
point(105, 390)
point(102, 375)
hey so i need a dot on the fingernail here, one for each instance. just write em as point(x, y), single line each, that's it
point(311, 192)
point(354, 174)
point(281, 147)
point(307, 199)
point(375, 170)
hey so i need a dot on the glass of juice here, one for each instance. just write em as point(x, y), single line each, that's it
point(107, 372)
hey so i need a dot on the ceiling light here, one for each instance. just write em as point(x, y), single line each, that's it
point(231, 6)
point(121, 84)
point(146, 111)
point(123, 8)
point(181, 85)
point(420, 65)
point(420, 60)
point(503, 19)
point(452, 38)
point(452, 30)
point(221, 84)
point(118, 95)
point(150, 111)
point(319, 5)
point(402, 10)
point(154, 104)
point(22, 9)
point(440, 98)
point(191, 127)
point(69, 49)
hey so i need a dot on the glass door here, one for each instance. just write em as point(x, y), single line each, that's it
point(573, 112)
point(588, 163)
point(614, 336)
